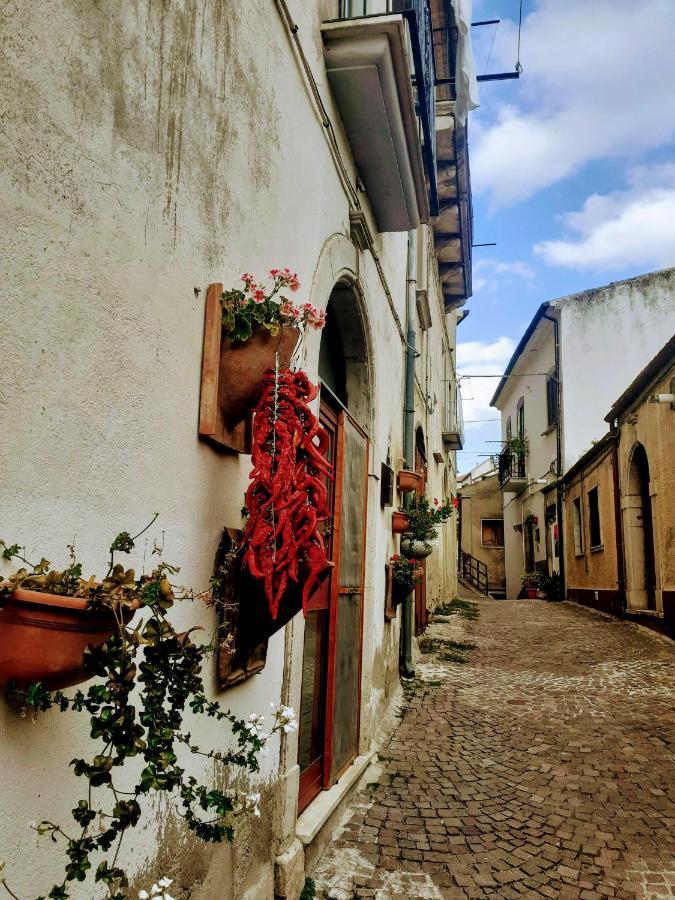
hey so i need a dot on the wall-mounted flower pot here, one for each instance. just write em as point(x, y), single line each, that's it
point(400, 522)
point(409, 481)
point(243, 363)
point(413, 548)
point(43, 638)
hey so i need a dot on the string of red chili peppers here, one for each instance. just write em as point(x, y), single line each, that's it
point(287, 498)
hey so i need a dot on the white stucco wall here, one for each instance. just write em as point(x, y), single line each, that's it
point(607, 336)
point(528, 383)
point(147, 151)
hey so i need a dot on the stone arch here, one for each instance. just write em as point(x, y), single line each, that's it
point(337, 288)
point(638, 532)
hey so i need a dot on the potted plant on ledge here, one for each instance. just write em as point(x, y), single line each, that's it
point(149, 684)
point(406, 573)
point(258, 323)
point(424, 518)
point(531, 583)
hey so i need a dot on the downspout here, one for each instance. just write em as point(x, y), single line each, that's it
point(558, 452)
point(407, 669)
point(618, 526)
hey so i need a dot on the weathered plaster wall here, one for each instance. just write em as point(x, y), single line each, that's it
point(592, 576)
point(482, 499)
point(147, 150)
point(530, 385)
point(607, 336)
point(653, 426)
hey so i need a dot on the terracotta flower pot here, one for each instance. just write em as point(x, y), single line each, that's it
point(243, 363)
point(43, 638)
point(408, 481)
point(531, 593)
point(413, 548)
point(400, 522)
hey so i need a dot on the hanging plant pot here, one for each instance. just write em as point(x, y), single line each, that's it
point(409, 481)
point(43, 638)
point(414, 548)
point(242, 364)
point(400, 522)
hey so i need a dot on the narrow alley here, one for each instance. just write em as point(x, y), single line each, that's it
point(541, 765)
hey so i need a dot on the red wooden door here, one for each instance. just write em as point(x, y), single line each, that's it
point(331, 675)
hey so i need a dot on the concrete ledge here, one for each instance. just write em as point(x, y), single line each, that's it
point(318, 812)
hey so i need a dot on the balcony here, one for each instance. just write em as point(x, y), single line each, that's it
point(453, 419)
point(512, 471)
point(375, 53)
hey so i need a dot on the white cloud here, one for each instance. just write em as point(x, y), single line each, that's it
point(598, 83)
point(633, 227)
point(485, 272)
point(485, 359)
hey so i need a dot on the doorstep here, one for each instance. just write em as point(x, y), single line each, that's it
point(322, 809)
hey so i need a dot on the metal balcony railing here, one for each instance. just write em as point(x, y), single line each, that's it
point(418, 15)
point(511, 465)
point(474, 571)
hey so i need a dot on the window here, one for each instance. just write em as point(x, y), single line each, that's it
point(492, 532)
point(594, 518)
point(509, 433)
point(520, 433)
point(551, 399)
point(578, 531)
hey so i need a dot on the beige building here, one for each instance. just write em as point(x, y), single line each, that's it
point(620, 502)
point(592, 529)
point(644, 418)
point(481, 529)
point(148, 154)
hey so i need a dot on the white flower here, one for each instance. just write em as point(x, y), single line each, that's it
point(285, 719)
point(143, 895)
point(155, 890)
point(254, 723)
point(165, 882)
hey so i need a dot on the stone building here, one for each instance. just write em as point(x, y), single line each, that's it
point(549, 416)
point(644, 422)
point(153, 150)
point(481, 528)
point(619, 520)
point(592, 529)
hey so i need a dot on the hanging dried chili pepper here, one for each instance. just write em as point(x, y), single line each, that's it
point(287, 497)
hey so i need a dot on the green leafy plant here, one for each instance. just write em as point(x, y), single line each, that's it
point(464, 608)
point(426, 517)
point(149, 682)
point(405, 572)
point(518, 447)
point(254, 306)
point(552, 586)
point(531, 580)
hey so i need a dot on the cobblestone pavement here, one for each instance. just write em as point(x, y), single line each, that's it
point(542, 767)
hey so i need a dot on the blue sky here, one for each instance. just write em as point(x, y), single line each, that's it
point(573, 170)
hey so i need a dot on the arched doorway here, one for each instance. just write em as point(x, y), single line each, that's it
point(641, 574)
point(331, 669)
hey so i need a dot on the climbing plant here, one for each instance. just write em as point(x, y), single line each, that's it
point(149, 681)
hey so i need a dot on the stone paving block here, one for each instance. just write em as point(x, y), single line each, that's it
point(539, 768)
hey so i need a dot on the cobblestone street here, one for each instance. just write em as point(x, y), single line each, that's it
point(541, 766)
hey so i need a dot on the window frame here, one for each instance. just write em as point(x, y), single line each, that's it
point(578, 526)
point(594, 514)
point(482, 542)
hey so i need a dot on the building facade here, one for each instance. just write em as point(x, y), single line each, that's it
point(644, 421)
point(481, 527)
point(149, 153)
point(549, 416)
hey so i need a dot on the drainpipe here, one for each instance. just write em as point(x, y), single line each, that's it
point(558, 452)
point(407, 669)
